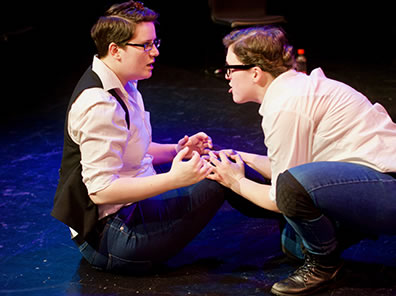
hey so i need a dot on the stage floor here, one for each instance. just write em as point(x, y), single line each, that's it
point(233, 255)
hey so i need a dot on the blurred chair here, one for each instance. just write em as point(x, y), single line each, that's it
point(242, 13)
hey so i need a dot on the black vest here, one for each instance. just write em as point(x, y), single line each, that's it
point(72, 204)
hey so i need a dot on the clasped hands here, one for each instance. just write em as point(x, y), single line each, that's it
point(225, 166)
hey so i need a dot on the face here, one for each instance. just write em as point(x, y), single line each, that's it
point(240, 81)
point(138, 64)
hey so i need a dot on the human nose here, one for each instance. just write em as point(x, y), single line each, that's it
point(154, 51)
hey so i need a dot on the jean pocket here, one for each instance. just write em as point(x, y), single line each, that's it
point(118, 264)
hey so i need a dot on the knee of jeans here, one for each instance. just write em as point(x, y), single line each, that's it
point(293, 200)
point(284, 194)
point(92, 256)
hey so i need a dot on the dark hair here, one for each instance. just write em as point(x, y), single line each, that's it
point(267, 47)
point(119, 23)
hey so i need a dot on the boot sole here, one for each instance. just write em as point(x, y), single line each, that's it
point(317, 289)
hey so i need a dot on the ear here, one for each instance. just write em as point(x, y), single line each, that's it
point(262, 78)
point(114, 51)
point(257, 74)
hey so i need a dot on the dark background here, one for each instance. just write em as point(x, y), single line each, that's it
point(44, 45)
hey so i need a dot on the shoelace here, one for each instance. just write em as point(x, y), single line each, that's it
point(307, 269)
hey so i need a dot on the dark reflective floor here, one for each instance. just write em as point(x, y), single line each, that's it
point(234, 255)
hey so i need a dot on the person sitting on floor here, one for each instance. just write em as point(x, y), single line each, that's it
point(123, 215)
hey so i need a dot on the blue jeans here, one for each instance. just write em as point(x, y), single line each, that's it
point(155, 229)
point(350, 197)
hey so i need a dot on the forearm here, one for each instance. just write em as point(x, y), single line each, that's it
point(127, 190)
point(229, 170)
point(260, 163)
point(132, 189)
point(256, 193)
point(162, 153)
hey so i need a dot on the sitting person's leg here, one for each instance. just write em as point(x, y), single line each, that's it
point(155, 229)
point(317, 197)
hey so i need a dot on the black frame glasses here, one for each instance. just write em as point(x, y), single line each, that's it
point(148, 45)
point(229, 69)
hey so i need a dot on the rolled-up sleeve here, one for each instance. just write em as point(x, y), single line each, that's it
point(97, 124)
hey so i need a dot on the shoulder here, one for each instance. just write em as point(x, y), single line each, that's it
point(92, 97)
point(97, 106)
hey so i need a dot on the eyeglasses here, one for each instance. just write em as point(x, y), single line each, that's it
point(229, 69)
point(148, 45)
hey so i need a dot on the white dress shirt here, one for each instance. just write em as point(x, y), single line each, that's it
point(108, 149)
point(310, 118)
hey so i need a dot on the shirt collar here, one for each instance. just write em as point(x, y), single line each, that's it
point(109, 78)
point(273, 86)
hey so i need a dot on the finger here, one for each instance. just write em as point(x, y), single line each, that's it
point(206, 151)
point(201, 135)
point(214, 159)
point(211, 177)
point(182, 154)
point(212, 164)
point(205, 157)
point(206, 169)
point(183, 141)
point(230, 152)
point(215, 153)
point(209, 143)
point(195, 157)
point(209, 171)
point(223, 157)
point(204, 139)
point(237, 158)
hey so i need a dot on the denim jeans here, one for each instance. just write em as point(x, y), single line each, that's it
point(351, 197)
point(155, 229)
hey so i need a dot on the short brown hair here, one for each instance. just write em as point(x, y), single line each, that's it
point(119, 23)
point(267, 47)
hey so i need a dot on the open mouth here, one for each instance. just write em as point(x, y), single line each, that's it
point(151, 65)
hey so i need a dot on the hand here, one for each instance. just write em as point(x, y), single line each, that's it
point(186, 173)
point(199, 142)
point(227, 152)
point(228, 170)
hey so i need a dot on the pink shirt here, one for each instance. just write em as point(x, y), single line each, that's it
point(108, 149)
point(308, 118)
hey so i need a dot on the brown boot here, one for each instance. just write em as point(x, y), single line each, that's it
point(315, 274)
